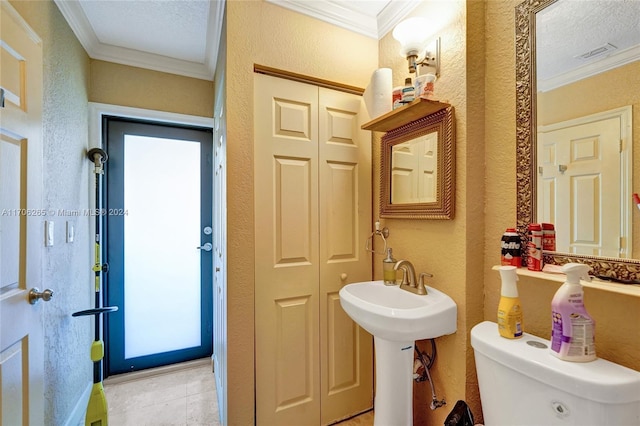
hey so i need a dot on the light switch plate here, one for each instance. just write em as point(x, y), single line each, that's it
point(48, 233)
point(70, 231)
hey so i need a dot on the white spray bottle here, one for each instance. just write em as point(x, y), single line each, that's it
point(573, 330)
point(510, 319)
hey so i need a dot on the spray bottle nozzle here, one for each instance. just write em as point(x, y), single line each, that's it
point(575, 272)
point(509, 276)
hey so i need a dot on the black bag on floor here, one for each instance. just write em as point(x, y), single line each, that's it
point(460, 415)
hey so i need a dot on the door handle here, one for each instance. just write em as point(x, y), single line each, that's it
point(35, 295)
point(205, 247)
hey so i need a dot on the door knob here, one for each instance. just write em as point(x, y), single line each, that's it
point(205, 247)
point(35, 295)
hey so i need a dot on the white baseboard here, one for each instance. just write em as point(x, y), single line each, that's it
point(77, 415)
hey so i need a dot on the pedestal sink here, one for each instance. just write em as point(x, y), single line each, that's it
point(397, 318)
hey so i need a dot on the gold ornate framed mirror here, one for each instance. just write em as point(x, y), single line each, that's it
point(417, 175)
point(624, 270)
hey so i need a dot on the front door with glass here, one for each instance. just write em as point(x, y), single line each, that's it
point(158, 218)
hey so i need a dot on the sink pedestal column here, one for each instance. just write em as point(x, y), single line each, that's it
point(394, 383)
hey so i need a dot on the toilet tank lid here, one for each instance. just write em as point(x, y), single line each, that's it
point(600, 380)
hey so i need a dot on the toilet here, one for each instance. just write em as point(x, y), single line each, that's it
point(521, 383)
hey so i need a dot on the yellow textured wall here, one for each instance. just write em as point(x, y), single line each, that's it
point(451, 249)
point(124, 85)
point(613, 89)
point(617, 316)
point(262, 33)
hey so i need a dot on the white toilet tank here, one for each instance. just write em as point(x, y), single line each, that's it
point(521, 383)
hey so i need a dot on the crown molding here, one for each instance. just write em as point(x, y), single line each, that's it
point(622, 58)
point(77, 20)
point(334, 13)
point(395, 12)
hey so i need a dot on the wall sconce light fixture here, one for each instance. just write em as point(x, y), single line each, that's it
point(413, 36)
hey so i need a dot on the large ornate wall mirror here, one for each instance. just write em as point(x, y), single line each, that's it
point(417, 176)
point(547, 93)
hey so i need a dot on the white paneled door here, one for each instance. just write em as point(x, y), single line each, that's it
point(580, 173)
point(312, 215)
point(21, 222)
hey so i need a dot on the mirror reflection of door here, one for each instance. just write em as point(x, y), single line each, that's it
point(579, 173)
point(414, 170)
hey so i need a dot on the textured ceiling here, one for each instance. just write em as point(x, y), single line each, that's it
point(567, 30)
point(173, 36)
point(171, 28)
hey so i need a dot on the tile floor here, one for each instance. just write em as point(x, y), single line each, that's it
point(182, 395)
point(365, 419)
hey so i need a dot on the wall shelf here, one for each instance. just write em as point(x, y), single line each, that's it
point(405, 114)
point(628, 289)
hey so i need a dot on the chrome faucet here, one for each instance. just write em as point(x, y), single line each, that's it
point(409, 281)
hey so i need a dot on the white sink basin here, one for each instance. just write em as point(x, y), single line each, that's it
point(391, 313)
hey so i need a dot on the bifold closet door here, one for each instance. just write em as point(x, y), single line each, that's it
point(346, 360)
point(286, 275)
point(313, 364)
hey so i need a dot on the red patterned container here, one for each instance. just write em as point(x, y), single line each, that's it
point(548, 237)
point(534, 247)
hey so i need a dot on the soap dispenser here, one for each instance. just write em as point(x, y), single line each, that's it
point(388, 273)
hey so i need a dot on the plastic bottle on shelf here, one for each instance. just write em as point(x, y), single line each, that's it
point(534, 247)
point(572, 329)
point(548, 237)
point(510, 318)
point(408, 91)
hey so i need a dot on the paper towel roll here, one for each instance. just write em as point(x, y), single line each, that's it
point(378, 94)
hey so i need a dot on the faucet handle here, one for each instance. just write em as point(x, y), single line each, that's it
point(422, 277)
point(419, 287)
